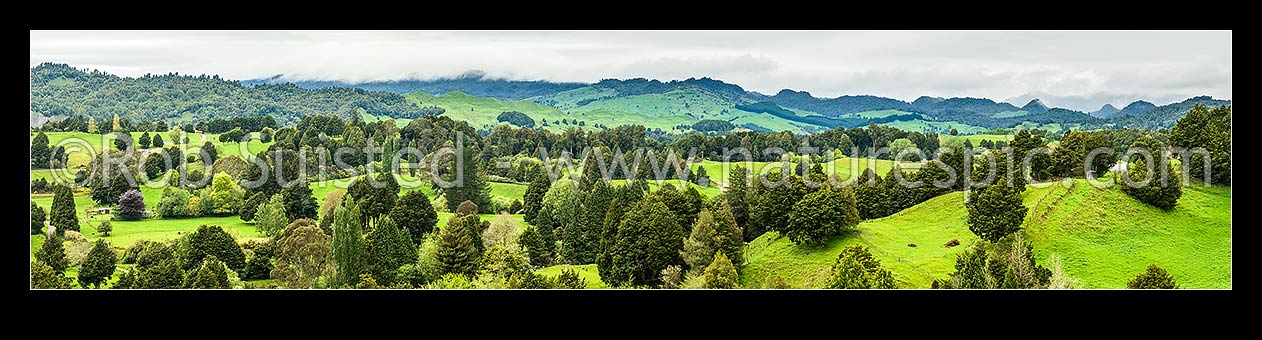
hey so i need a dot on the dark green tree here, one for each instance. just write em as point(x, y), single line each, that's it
point(157, 140)
point(414, 213)
point(456, 252)
point(582, 240)
point(1162, 190)
point(213, 241)
point(821, 215)
point(535, 246)
point(210, 275)
point(388, 248)
point(533, 199)
point(45, 277)
point(37, 218)
point(63, 215)
point(649, 239)
point(252, 205)
point(299, 203)
point(41, 154)
point(738, 197)
point(98, 266)
point(856, 268)
point(1210, 129)
point(870, 196)
point(53, 253)
point(467, 180)
point(995, 211)
point(474, 226)
point(144, 140)
point(715, 232)
point(1153, 278)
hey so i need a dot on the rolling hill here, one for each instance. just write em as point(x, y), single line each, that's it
point(1112, 232)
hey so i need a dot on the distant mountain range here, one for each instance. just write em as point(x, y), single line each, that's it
point(58, 90)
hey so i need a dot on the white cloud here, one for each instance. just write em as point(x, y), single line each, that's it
point(1100, 67)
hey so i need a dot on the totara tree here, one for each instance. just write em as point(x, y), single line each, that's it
point(533, 200)
point(213, 241)
point(41, 154)
point(720, 274)
point(738, 197)
point(348, 244)
point(210, 275)
point(535, 246)
point(388, 248)
point(649, 239)
point(855, 268)
point(105, 228)
point(582, 239)
point(1153, 278)
point(1162, 190)
point(414, 213)
point(144, 140)
point(714, 232)
point(821, 215)
point(53, 253)
point(252, 206)
point(995, 211)
point(870, 197)
point(157, 140)
point(468, 182)
point(1210, 129)
point(474, 226)
point(98, 266)
point(37, 218)
point(45, 277)
point(299, 203)
point(62, 215)
point(131, 205)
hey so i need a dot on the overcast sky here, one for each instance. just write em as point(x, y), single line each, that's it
point(1077, 70)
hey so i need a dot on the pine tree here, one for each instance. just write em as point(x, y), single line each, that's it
point(53, 253)
point(456, 253)
point(62, 215)
point(388, 248)
point(348, 244)
point(720, 274)
point(414, 213)
point(98, 266)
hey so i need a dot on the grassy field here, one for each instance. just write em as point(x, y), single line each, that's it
point(81, 146)
point(482, 113)
point(128, 232)
point(1104, 238)
point(588, 272)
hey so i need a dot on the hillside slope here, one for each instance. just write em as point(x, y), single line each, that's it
point(1104, 238)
